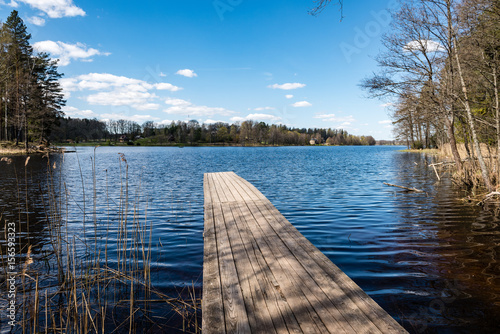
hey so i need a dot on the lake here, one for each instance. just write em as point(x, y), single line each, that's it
point(429, 260)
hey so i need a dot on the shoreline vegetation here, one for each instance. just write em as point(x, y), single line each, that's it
point(7, 149)
point(439, 71)
point(247, 133)
point(99, 280)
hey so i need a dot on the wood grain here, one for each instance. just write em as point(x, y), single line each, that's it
point(261, 275)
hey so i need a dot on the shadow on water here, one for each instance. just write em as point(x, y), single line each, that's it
point(438, 270)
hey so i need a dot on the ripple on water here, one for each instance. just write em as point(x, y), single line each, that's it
point(430, 261)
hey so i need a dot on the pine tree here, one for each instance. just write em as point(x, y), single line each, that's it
point(31, 96)
point(19, 56)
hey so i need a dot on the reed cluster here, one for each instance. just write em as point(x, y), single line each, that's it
point(94, 276)
point(469, 176)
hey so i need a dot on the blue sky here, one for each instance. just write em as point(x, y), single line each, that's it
point(214, 60)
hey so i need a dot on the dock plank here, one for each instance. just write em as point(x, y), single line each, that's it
point(212, 307)
point(261, 275)
point(235, 313)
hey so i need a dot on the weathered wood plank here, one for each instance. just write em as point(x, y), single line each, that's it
point(212, 306)
point(327, 312)
point(384, 322)
point(279, 310)
point(271, 278)
point(365, 303)
point(380, 318)
point(348, 312)
point(290, 290)
point(235, 313)
point(249, 286)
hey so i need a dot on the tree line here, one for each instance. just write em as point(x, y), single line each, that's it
point(30, 94)
point(193, 133)
point(440, 69)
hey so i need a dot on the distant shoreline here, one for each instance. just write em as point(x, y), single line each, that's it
point(197, 145)
point(7, 149)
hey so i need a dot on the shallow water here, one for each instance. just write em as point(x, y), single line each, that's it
point(430, 261)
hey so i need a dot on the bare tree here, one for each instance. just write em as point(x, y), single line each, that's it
point(320, 5)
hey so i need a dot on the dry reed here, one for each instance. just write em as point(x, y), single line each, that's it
point(84, 285)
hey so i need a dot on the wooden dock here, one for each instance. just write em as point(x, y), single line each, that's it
point(261, 275)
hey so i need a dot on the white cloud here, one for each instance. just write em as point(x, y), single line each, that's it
point(36, 20)
point(55, 8)
point(167, 86)
point(212, 121)
point(289, 96)
point(66, 52)
point(75, 112)
point(264, 108)
point(256, 117)
point(333, 118)
point(148, 106)
point(113, 90)
point(187, 73)
point(301, 104)
point(387, 121)
point(11, 4)
point(186, 108)
point(121, 97)
point(424, 45)
point(389, 104)
point(197, 111)
point(165, 122)
point(162, 74)
point(177, 102)
point(287, 86)
point(101, 81)
point(268, 75)
point(134, 118)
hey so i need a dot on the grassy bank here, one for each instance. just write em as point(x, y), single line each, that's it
point(9, 148)
point(426, 151)
point(469, 177)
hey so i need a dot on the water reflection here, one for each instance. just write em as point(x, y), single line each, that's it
point(23, 200)
point(453, 247)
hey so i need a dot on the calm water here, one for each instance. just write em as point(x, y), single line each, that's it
point(430, 261)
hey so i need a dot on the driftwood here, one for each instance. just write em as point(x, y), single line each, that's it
point(485, 198)
point(446, 163)
point(494, 193)
point(488, 197)
point(435, 171)
point(406, 188)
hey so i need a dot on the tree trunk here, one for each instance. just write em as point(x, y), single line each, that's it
point(497, 119)
point(1, 109)
point(412, 137)
point(482, 164)
point(450, 123)
point(6, 119)
point(26, 135)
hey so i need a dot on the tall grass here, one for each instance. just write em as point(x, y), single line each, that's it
point(99, 280)
point(470, 177)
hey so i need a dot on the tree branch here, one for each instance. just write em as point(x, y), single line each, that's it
point(321, 5)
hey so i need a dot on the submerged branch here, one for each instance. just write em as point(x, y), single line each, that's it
point(406, 188)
